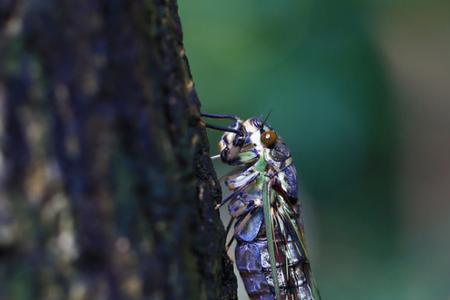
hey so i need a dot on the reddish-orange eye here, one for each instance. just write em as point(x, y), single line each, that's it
point(268, 138)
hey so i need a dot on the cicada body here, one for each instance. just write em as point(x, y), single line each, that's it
point(270, 250)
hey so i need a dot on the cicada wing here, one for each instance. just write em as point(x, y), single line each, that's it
point(268, 220)
point(292, 227)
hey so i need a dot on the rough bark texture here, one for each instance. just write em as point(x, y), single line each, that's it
point(107, 189)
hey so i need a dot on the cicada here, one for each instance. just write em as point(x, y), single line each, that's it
point(270, 250)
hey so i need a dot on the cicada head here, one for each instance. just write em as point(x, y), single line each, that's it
point(252, 139)
point(231, 143)
point(246, 145)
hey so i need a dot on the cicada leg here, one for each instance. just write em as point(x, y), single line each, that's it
point(238, 190)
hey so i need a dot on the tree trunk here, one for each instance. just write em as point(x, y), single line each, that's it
point(107, 190)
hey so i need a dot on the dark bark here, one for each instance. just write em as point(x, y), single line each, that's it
point(107, 189)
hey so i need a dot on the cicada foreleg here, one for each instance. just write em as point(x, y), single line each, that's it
point(239, 184)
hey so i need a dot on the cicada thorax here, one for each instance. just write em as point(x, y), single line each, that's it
point(280, 161)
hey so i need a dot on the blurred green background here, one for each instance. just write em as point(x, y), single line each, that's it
point(360, 90)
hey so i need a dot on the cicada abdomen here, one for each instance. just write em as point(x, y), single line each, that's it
point(270, 250)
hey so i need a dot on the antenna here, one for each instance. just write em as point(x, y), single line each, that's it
point(265, 120)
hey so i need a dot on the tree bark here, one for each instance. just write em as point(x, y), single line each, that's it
point(107, 190)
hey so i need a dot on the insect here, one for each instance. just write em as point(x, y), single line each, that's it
point(270, 248)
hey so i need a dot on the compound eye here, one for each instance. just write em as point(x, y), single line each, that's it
point(268, 138)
